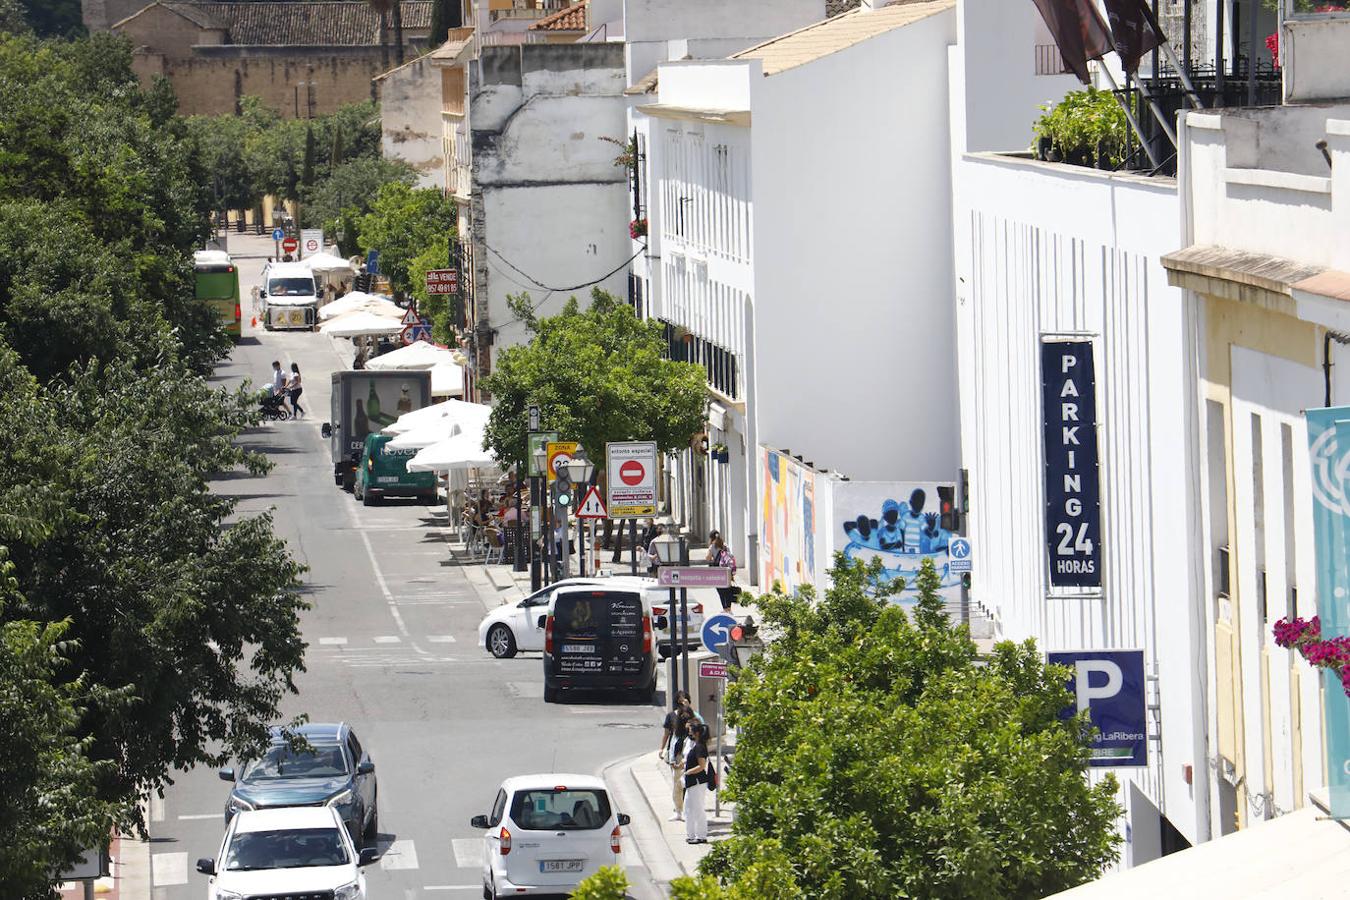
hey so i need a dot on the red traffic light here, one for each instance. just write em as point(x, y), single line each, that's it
point(737, 632)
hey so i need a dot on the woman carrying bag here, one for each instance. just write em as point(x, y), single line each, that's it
point(721, 556)
point(696, 776)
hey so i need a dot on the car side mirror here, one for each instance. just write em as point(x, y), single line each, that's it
point(365, 768)
point(624, 818)
point(326, 430)
point(479, 822)
point(226, 775)
point(206, 866)
point(368, 855)
point(660, 623)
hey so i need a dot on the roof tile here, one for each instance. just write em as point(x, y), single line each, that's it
point(815, 41)
point(570, 18)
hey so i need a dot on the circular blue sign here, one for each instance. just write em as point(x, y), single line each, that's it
point(717, 630)
point(278, 234)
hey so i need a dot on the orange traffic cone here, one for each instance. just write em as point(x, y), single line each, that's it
point(254, 322)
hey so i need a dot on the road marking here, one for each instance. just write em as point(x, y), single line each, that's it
point(332, 641)
point(156, 808)
point(384, 586)
point(468, 852)
point(441, 638)
point(388, 639)
point(400, 855)
point(196, 816)
point(452, 887)
point(168, 869)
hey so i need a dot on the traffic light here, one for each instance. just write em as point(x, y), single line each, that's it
point(950, 521)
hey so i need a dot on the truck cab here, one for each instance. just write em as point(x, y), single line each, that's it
point(290, 297)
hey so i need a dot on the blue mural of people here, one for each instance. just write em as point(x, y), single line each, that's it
point(902, 538)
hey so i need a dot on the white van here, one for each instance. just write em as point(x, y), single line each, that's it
point(290, 297)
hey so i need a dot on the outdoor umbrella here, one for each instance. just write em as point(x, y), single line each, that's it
point(361, 324)
point(463, 451)
point(457, 411)
point(447, 379)
point(417, 355)
point(359, 301)
point(327, 262)
point(434, 433)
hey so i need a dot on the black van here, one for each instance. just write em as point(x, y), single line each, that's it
point(600, 637)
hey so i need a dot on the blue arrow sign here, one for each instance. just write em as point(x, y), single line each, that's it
point(278, 234)
point(717, 630)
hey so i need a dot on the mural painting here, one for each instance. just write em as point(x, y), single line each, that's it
point(787, 522)
point(901, 525)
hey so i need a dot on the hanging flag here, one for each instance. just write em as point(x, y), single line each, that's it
point(1134, 31)
point(1079, 32)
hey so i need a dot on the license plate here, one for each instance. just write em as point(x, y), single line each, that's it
point(559, 865)
point(387, 479)
point(578, 648)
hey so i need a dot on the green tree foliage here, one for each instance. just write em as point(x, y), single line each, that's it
point(12, 18)
point(54, 18)
point(445, 14)
point(597, 375)
point(402, 224)
point(434, 307)
point(349, 192)
point(608, 883)
point(879, 757)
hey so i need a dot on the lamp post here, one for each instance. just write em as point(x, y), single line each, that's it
point(538, 518)
point(674, 551)
point(579, 472)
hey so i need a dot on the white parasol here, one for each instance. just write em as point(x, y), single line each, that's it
point(457, 411)
point(327, 262)
point(359, 301)
point(447, 380)
point(361, 324)
point(417, 355)
point(463, 451)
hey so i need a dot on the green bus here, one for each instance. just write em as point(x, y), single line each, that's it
point(217, 280)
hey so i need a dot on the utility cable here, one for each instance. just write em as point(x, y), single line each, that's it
point(576, 287)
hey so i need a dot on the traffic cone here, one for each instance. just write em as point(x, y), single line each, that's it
point(253, 323)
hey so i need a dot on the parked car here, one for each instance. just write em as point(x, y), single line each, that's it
point(383, 472)
point(546, 833)
point(602, 637)
point(337, 773)
point(304, 852)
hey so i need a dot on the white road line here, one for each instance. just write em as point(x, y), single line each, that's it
point(156, 808)
point(388, 639)
point(441, 638)
point(332, 641)
point(197, 816)
point(400, 855)
point(168, 869)
point(468, 852)
point(452, 887)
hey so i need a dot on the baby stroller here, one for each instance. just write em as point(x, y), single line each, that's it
point(273, 407)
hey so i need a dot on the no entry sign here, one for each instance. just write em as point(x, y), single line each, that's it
point(631, 486)
point(290, 245)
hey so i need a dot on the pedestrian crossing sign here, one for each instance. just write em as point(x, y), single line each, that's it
point(592, 507)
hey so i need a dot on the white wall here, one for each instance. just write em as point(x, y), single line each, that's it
point(410, 120)
point(1046, 248)
point(852, 247)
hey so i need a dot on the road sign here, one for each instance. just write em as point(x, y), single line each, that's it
point(311, 239)
point(534, 418)
point(632, 469)
point(591, 505)
point(712, 668)
point(410, 317)
point(560, 453)
point(278, 234)
point(533, 441)
point(411, 334)
point(443, 281)
point(290, 245)
point(694, 576)
point(717, 630)
point(958, 555)
point(1110, 685)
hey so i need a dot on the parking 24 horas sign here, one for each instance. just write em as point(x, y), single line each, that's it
point(1073, 524)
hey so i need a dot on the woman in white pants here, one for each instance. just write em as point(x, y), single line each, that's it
point(696, 785)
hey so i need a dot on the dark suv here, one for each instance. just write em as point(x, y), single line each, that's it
point(336, 772)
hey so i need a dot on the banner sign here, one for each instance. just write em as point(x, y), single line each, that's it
point(1329, 447)
point(1110, 685)
point(1072, 491)
point(630, 478)
point(443, 281)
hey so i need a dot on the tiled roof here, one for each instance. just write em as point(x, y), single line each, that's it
point(571, 18)
point(325, 23)
point(835, 7)
point(832, 35)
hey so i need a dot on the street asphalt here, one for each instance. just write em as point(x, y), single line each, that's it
point(391, 650)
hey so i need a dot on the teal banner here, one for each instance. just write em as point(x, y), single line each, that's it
point(1329, 447)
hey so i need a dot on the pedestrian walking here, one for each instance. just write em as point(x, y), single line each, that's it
point(294, 389)
point(278, 378)
point(720, 555)
point(713, 537)
point(671, 719)
point(653, 560)
point(696, 785)
point(675, 756)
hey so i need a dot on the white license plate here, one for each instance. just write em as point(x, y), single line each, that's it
point(578, 648)
point(560, 865)
point(387, 479)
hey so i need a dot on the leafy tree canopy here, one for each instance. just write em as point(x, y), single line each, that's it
point(926, 771)
point(597, 375)
point(403, 222)
point(349, 192)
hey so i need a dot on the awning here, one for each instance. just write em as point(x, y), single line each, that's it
point(362, 324)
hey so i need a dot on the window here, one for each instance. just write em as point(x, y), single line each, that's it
point(560, 809)
point(498, 809)
point(354, 746)
point(299, 848)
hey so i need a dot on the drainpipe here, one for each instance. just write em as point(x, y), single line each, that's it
point(1340, 338)
point(752, 447)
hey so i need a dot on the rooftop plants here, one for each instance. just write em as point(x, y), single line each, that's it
point(1086, 128)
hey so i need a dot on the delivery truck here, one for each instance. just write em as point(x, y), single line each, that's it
point(363, 403)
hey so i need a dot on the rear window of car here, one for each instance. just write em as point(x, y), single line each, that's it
point(560, 809)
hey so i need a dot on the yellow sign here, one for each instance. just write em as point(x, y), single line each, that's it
point(560, 453)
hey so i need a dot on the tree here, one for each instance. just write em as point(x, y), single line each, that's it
point(307, 166)
point(445, 14)
point(879, 756)
point(402, 223)
point(597, 375)
point(351, 188)
point(54, 18)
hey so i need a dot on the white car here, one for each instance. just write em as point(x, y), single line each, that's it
point(293, 851)
point(515, 627)
point(547, 833)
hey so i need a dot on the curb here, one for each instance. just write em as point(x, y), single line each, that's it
point(648, 840)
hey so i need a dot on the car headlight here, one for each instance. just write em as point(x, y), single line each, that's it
point(348, 892)
point(239, 805)
point(341, 798)
point(228, 895)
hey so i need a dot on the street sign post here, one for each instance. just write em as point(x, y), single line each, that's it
point(278, 234)
point(717, 670)
point(592, 507)
point(694, 576)
point(631, 469)
point(712, 668)
point(534, 418)
point(442, 281)
point(959, 555)
point(533, 442)
point(1110, 686)
point(717, 631)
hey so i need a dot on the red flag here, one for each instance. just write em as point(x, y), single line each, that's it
point(1079, 32)
point(1134, 31)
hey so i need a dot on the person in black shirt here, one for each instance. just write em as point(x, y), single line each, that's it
point(696, 785)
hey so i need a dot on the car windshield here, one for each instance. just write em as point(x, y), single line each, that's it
point(296, 849)
point(290, 287)
point(561, 809)
point(324, 761)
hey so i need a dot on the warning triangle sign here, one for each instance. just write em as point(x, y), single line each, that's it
point(592, 507)
point(410, 317)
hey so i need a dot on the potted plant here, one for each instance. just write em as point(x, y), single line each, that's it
point(1086, 128)
point(637, 228)
point(720, 453)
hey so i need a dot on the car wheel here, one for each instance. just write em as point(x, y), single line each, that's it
point(501, 642)
point(551, 693)
point(367, 499)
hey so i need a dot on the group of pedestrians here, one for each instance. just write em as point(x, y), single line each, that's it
point(684, 747)
point(289, 387)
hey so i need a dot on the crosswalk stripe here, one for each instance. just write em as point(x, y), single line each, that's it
point(168, 869)
point(441, 638)
point(468, 852)
point(400, 855)
point(332, 641)
point(388, 639)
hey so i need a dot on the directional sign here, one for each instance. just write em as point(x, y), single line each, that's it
point(290, 245)
point(712, 668)
point(414, 333)
point(717, 630)
point(591, 505)
point(694, 576)
point(560, 453)
point(278, 234)
point(959, 555)
point(631, 467)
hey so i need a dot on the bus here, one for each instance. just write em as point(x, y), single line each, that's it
point(217, 280)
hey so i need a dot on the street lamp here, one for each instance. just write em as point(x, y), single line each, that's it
point(540, 516)
point(671, 551)
point(579, 470)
